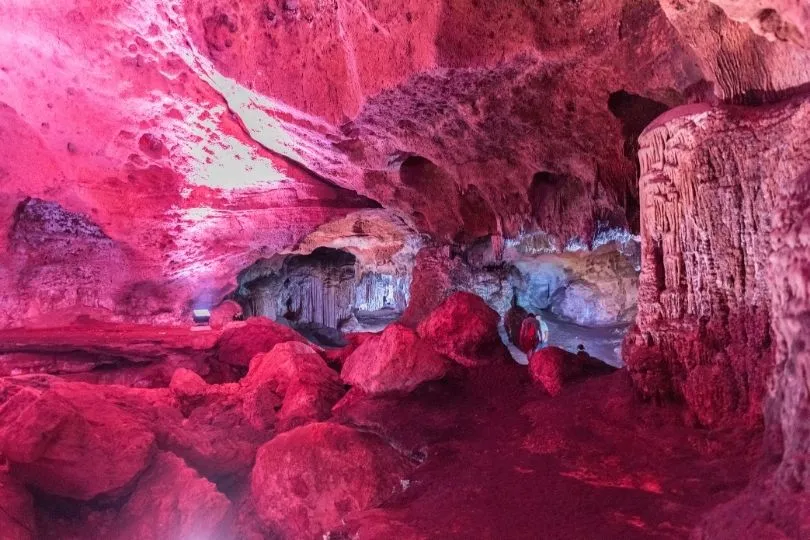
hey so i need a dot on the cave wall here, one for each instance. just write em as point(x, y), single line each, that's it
point(326, 287)
point(708, 182)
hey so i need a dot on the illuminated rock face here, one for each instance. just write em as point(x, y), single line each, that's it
point(199, 136)
point(709, 179)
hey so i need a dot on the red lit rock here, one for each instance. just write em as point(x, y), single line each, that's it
point(551, 367)
point(703, 332)
point(17, 519)
point(67, 440)
point(437, 273)
point(307, 480)
point(224, 313)
point(396, 360)
point(240, 343)
point(294, 371)
point(465, 329)
point(355, 339)
point(187, 384)
point(172, 501)
point(775, 504)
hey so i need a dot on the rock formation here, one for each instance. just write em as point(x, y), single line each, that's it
point(327, 170)
point(709, 178)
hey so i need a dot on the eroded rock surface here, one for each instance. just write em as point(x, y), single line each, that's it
point(709, 178)
point(172, 501)
point(17, 519)
point(305, 481)
point(465, 329)
point(396, 360)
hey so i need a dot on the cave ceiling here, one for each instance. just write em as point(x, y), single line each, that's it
point(200, 135)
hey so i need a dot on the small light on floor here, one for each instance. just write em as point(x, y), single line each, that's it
point(201, 316)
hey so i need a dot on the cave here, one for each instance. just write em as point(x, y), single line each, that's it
point(278, 269)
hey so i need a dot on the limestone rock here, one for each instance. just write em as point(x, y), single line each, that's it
point(294, 371)
point(224, 313)
point(17, 519)
point(240, 343)
point(70, 441)
point(396, 360)
point(172, 501)
point(307, 480)
point(704, 302)
point(551, 367)
point(465, 329)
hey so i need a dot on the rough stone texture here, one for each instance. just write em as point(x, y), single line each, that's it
point(603, 290)
point(776, 503)
point(215, 429)
point(305, 481)
point(294, 371)
point(239, 343)
point(75, 450)
point(396, 360)
point(190, 153)
point(465, 329)
point(172, 501)
point(17, 520)
point(224, 313)
point(551, 367)
point(104, 353)
point(707, 190)
point(777, 20)
point(744, 67)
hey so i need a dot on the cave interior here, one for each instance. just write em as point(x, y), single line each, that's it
point(292, 269)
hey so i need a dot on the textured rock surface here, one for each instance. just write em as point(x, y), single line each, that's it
point(465, 329)
point(190, 153)
point(775, 504)
point(172, 501)
point(708, 182)
point(77, 446)
point(241, 342)
point(396, 360)
point(17, 520)
point(745, 67)
point(551, 367)
point(306, 480)
point(294, 371)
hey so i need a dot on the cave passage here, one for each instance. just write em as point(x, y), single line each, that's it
point(479, 269)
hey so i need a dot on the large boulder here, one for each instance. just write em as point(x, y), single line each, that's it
point(239, 343)
point(551, 367)
point(307, 480)
point(172, 501)
point(224, 313)
point(396, 360)
point(17, 520)
point(296, 373)
point(465, 329)
point(77, 446)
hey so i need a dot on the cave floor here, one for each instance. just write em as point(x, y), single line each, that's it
point(506, 461)
point(500, 459)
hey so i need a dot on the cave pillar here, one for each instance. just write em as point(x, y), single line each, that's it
point(708, 182)
point(788, 407)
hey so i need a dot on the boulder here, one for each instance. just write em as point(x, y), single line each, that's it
point(172, 501)
point(224, 313)
point(17, 520)
point(465, 329)
point(396, 360)
point(307, 480)
point(78, 448)
point(338, 357)
point(238, 344)
point(295, 372)
point(551, 367)
point(186, 384)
